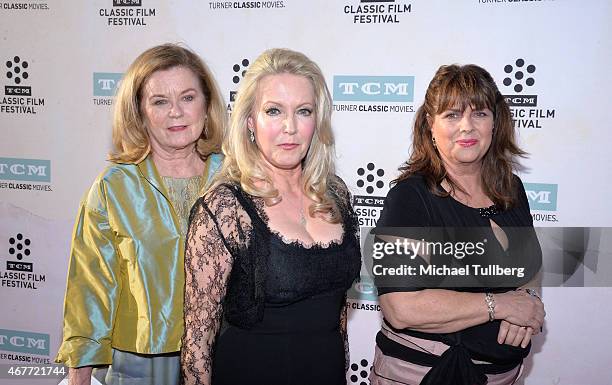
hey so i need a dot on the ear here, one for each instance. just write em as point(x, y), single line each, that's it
point(250, 123)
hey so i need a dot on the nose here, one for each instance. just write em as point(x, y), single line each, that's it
point(290, 126)
point(176, 111)
point(466, 125)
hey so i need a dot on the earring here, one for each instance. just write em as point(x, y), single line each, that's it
point(251, 135)
point(433, 139)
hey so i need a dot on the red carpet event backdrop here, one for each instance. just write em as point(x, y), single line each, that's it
point(62, 61)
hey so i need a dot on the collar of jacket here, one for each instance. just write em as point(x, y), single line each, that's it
point(149, 172)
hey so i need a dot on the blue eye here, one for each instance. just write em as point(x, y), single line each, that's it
point(159, 102)
point(305, 111)
point(272, 111)
point(189, 98)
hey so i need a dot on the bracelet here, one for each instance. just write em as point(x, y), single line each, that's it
point(490, 301)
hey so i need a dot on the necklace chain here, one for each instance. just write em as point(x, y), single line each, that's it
point(301, 211)
point(302, 218)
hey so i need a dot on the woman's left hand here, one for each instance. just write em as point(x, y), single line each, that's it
point(514, 335)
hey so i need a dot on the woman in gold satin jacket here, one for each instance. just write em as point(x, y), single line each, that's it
point(124, 296)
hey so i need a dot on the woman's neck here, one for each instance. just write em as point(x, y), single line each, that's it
point(287, 181)
point(469, 179)
point(178, 164)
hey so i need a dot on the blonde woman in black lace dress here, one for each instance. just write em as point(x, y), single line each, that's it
point(272, 247)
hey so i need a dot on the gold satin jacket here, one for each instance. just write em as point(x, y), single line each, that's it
point(126, 272)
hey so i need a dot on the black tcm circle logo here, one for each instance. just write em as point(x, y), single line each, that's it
point(370, 177)
point(518, 73)
point(19, 246)
point(16, 69)
point(360, 372)
point(240, 70)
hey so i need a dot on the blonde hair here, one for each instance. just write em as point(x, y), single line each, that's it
point(130, 139)
point(243, 163)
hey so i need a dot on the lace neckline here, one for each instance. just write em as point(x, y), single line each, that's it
point(333, 244)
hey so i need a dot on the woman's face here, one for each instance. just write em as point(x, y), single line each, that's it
point(174, 109)
point(283, 119)
point(463, 137)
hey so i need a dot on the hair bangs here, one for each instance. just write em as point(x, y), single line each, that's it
point(463, 90)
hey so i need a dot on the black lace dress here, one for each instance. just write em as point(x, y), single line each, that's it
point(284, 314)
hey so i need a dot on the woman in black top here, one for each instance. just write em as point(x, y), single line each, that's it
point(273, 244)
point(471, 329)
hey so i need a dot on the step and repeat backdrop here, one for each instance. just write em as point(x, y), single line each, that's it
point(62, 60)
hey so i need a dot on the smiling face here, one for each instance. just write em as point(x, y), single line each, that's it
point(283, 119)
point(463, 137)
point(174, 109)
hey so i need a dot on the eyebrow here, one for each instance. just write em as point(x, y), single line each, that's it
point(181, 93)
point(281, 103)
point(460, 110)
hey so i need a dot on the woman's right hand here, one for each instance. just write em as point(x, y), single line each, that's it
point(520, 308)
point(514, 335)
point(80, 376)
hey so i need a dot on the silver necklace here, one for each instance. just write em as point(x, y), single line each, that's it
point(302, 218)
point(301, 212)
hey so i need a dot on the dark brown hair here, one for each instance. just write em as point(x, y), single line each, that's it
point(455, 86)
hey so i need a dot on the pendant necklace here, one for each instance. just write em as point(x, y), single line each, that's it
point(302, 218)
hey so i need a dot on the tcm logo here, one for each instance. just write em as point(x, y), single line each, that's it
point(105, 83)
point(542, 196)
point(368, 201)
point(17, 72)
point(33, 170)
point(522, 100)
point(127, 3)
point(520, 77)
point(374, 88)
point(363, 290)
point(24, 342)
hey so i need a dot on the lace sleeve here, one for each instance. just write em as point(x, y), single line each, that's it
point(344, 333)
point(345, 203)
point(214, 234)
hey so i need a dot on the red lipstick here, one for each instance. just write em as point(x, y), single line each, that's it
point(467, 142)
